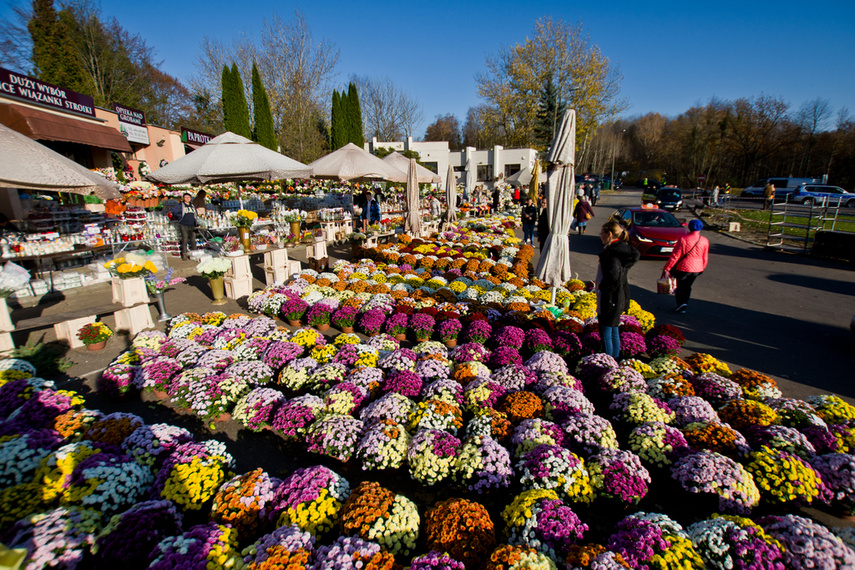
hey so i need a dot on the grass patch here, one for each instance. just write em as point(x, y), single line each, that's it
point(759, 219)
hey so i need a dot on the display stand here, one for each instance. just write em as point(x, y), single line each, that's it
point(67, 330)
point(129, 292)
point(134, 319)
point(6, 328)
point(238, 281)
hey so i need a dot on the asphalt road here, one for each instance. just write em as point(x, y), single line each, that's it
point(781, 314)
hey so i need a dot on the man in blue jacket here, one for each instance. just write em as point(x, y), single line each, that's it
point(185, 213)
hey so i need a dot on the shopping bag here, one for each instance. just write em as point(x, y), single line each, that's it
point(666, 285)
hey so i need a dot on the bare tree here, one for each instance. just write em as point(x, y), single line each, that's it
point(296, 70)
point(15, 43)
point(811, 118)
point(388, 113)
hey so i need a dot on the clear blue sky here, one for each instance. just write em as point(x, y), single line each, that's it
point(672, 54)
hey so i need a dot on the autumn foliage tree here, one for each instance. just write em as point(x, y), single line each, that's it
point(445, 128)
point(583, 78)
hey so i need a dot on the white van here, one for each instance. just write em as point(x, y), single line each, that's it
point(783, 186)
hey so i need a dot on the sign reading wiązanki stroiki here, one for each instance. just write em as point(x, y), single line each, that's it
point(34, 91)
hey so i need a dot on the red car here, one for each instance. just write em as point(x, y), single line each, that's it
point(653, 231)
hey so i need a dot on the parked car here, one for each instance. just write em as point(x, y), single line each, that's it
point(653, 231)
point(808, 194)
point(668, 198)
point(783, 186)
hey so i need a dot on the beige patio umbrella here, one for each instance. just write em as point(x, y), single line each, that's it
point(451, 195)
point(353, 163)
point(402, 163)
point(554, 264)
point(413, 221)
point(230, 157)
point(533, 185)
point(30, 165)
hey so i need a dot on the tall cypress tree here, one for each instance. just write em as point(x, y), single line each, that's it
point(241, 123)
point(338, 133)
point(354, 117)
point(228, 100)
point(263, 118)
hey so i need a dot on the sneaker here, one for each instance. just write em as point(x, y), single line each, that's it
point(681, 309)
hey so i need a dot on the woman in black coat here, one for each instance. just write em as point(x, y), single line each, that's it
point(612, 284)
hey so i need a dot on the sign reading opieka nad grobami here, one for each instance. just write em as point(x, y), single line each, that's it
point(132, 124)
point(32, 90)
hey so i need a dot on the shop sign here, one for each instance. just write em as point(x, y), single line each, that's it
point(132, 124)
point(34, 91)
point(189, 136)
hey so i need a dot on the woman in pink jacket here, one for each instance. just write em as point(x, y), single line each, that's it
point(688, 260)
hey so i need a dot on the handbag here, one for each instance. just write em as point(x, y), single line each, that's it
point(666, 284)
point(587, 216)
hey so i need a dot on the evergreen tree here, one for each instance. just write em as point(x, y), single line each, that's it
point(47, 31)
point(549, 111)
point(263, 118)
point(241, 124)
point(228, 100)
point(338, 127)
point(355, 117)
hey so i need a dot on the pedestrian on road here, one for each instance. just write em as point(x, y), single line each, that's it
point(529, 220)
point(688, 260)
point(582, 213)
point(185, 213)
point(715, 192)
point(612, 285)
point(768, 196)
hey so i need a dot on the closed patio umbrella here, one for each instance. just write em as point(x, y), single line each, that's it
point(554, 264)
point(534, 182)
point(30, 165)
point(230, 157)
point(470, 181)
point(451, 195)
point(413, 221)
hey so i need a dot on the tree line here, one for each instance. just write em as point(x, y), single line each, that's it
point(734, 142)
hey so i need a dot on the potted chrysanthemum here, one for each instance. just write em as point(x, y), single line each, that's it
point(344, 318)
point(448, 331)
point(396, 325)
point(422, 326)
point(94, 335)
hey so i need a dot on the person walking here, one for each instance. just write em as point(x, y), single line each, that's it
point(714, 201)
point(497, 195)
point(612, 284)
point(372, 210)
point(435, 208)
point(688, 260)
point(185, 213)
point(529, 220)
point(582, 213)
point(542, 224)
point(768, 196)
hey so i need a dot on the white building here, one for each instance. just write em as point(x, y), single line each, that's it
point(488, 164)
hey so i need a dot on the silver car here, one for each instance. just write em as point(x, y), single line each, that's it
point(809, 194)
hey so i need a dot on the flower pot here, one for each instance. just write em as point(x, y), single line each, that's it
point(422, 338)
point(294, 322)
point(295, 228)
point(400, 337)
point(322, 327)
point(160, 395)
point(243, 235)
point(96, 345)
point(222, 418)
point(451, 343)
point(347, 330)
point(218, 290)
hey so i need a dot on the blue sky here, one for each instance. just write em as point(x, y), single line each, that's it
point(672, 54)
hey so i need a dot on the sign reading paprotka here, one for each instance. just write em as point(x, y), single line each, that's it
point(189, 136)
